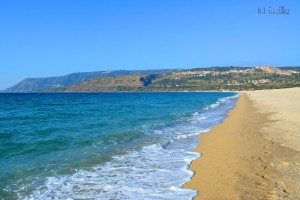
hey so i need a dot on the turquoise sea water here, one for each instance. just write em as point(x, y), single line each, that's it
point(103, 145)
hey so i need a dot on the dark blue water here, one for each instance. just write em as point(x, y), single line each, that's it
point(103, 145)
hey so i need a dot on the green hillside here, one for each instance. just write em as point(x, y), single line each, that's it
point(199, 79)
point(61, 82)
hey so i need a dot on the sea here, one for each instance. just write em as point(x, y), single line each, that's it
point(104, 145)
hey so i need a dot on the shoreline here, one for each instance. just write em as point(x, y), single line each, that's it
point(238, 159)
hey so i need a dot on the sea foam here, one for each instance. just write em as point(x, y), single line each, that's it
point(157, 171)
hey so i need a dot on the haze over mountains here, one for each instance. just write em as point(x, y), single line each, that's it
point(198, 79)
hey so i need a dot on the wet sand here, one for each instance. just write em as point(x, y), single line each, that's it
point(243, 157)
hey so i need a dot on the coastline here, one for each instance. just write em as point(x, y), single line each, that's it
point(240, 160)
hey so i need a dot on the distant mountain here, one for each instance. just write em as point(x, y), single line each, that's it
point(109, 84)
point(227, 78)
point(199, 79)
point(39, 84)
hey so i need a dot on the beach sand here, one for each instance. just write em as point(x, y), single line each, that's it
point(254, 153)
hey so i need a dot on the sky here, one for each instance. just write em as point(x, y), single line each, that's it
point(58, 37)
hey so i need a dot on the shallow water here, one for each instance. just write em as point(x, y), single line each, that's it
point(103, 145)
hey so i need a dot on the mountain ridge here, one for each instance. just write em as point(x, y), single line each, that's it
point(197, 79)
point(39, 84)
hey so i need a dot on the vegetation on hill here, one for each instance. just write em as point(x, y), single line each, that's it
point(38, 84)
point(114, 84)
point(199, 79)
point(228, 79)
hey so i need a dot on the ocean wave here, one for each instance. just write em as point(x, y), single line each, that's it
point(156, 171)
point(153, 173)
point(222, 101)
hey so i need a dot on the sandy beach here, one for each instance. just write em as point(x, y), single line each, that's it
point(255, 152)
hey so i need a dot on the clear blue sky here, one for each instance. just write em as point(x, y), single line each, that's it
point(55, 37)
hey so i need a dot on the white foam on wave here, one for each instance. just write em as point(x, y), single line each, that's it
point(195, 113)
point(222, 101)
point(191, 134)
point(157, 171)
point(153, 173)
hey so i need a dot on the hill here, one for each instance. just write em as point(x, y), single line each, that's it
point(229, 78)
point(199, 79)
point(39, 84)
